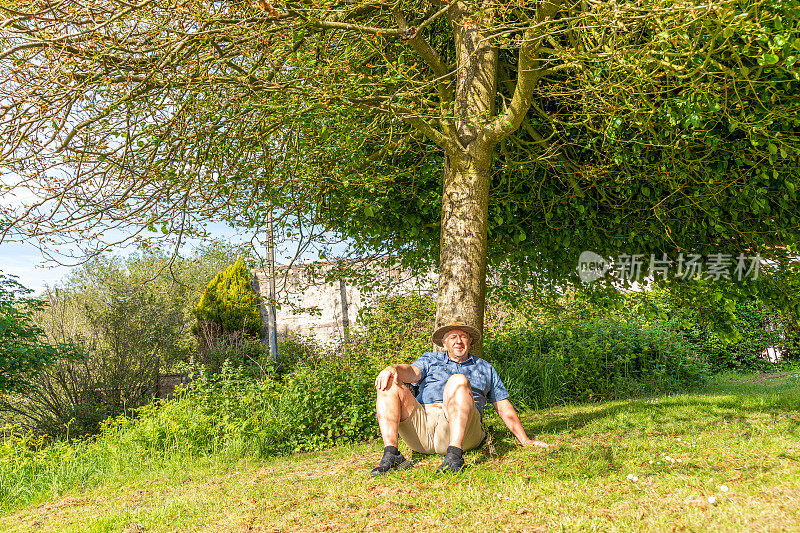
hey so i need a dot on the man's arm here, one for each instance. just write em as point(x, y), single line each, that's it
point(397, 373)
point(511, 420)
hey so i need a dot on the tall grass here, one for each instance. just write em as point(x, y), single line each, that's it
point(222, 418)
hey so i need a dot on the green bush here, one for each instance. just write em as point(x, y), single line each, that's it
point(593, 359)
point(740, 351)
point(225, 415)
point(23, 352)
point(331, 404)
point(396, 329)
point(229, 301)
point(730, 329)
point(118, 334)
point(312, 408)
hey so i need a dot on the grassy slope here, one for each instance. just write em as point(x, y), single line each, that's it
point(741, 432)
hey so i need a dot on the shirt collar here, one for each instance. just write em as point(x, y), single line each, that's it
point(469, 359)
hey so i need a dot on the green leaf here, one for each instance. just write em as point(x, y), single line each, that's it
point(770, 58)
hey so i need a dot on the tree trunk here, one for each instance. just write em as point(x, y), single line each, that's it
point(462, 262)
point(465, 199)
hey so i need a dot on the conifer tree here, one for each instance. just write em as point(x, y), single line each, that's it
point(229, 301)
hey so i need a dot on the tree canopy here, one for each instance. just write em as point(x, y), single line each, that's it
point(518, 133)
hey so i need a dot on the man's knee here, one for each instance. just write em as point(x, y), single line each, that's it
point(394, 391)
point(457, 380)
point(457, 389)
point(396, 394)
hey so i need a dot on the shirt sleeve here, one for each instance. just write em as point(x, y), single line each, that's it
point(498, 391)
point(423, 362)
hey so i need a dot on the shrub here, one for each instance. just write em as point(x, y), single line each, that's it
point(312, 408)
point(116, 341)
point(224, 414)
point(331, 404)
point(594, 359)
point(755, 329)
point(23, 352)
point(730, 329)
point(229, 301)
point(396, 329)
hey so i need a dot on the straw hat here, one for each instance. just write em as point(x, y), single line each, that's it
point(458, 323)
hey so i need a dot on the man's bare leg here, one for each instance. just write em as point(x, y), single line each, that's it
point(458, 405)
point(393, 406)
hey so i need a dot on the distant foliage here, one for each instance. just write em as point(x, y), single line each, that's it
point(121, 334)
point(229, 301)
point(117, 323)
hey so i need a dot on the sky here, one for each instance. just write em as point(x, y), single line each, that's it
point(26, 262)
point(36, 272)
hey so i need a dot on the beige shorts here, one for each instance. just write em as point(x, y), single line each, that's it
point(427, 430)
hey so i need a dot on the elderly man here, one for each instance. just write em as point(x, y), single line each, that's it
point(446, 416)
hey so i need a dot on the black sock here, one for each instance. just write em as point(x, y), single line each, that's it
point(391, 450)
point(455, 451)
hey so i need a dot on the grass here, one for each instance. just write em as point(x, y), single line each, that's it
point(654, 464)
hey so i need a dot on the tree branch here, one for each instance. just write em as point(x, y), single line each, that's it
point(413, 37)
point(334, 25)
point(527, 76)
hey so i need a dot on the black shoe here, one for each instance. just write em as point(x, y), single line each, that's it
point(390, 463)
point(450, 465)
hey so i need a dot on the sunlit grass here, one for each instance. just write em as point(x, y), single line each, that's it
point(725, 458)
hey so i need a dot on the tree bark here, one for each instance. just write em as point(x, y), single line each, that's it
point(465, 199)
point(462, 262)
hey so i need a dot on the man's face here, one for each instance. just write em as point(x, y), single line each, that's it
point(457, 343)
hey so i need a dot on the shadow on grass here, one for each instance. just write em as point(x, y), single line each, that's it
point(704, 408)
point(716, 403)
point(493, 447)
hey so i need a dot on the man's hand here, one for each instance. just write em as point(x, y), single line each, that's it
point(386, 377)
point(533, 443)
point(510, 418)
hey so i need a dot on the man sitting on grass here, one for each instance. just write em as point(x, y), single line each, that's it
point(446, 416)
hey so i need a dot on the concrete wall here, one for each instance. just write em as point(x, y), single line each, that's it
point(311, 306)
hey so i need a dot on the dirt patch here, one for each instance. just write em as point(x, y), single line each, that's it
point(767, 378)
point(67, 510)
